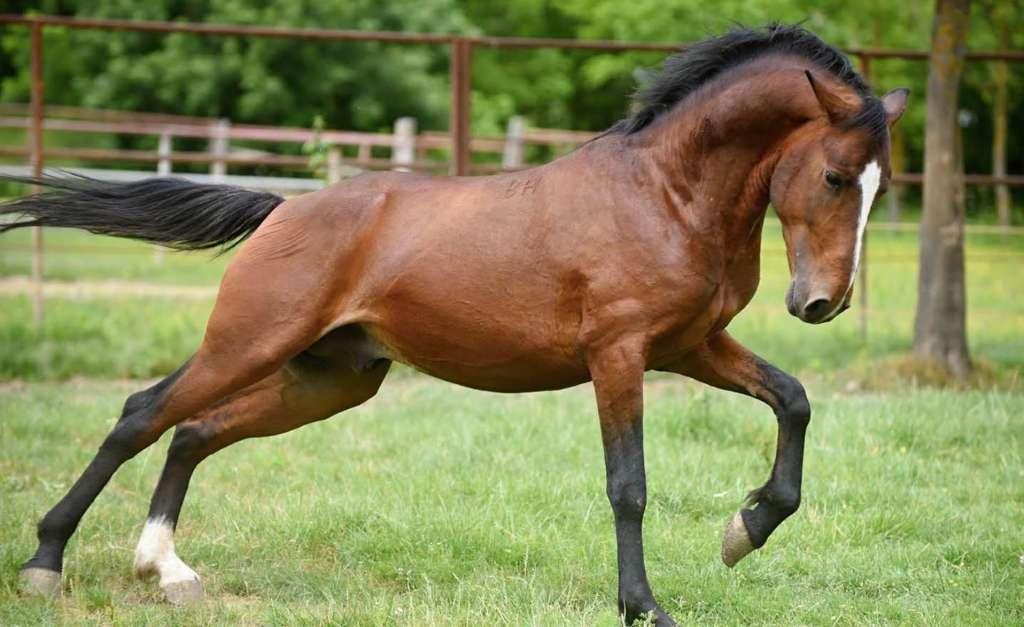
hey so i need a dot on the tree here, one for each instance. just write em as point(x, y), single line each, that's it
point(940, 332)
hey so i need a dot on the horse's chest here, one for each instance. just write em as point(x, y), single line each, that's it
point(697, 318)
point(736, 292)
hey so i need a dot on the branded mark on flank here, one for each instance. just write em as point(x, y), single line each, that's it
point(521, 186)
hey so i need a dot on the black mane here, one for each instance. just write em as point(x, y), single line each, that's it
point(683, 72)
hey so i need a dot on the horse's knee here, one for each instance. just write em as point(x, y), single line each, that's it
point(796, 408)
point(627, 496)
point(791, 406)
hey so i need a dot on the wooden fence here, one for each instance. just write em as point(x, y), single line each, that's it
point(347, 152)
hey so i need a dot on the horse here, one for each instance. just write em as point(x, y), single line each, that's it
point(630, 254)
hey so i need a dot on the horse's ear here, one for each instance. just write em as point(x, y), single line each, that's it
point(837, 108)
point(895, 103)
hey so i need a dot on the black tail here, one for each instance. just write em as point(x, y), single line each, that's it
point(168, 211)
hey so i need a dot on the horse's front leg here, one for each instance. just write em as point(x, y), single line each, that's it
point(617, 374)
point(723, 363)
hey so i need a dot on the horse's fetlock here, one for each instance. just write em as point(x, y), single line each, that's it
point(785, 500)
point(635, 594)
point(50, 529)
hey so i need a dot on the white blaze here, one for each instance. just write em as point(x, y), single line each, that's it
point(155, 554)
point(869, 180)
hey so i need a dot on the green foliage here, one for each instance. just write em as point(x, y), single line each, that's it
point(317, 148)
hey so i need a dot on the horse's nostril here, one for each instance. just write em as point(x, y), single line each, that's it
point(816, 309)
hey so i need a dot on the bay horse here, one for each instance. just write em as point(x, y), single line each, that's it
point(630, 254)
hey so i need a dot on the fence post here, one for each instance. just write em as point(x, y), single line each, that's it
point(163, 151)
point(36, 158)
point(459, 121)
point(333, 165)
point(893, 202)
point(512, 155)
point(219, 132)
point(163, 168)
point(403, 144)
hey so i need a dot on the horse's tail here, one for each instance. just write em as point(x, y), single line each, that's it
point(169, 211)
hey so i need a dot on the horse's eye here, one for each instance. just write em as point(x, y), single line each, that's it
point(833, 179)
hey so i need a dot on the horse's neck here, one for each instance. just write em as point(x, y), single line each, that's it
point(719, 154)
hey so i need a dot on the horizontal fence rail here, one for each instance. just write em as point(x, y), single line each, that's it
point(324, 34)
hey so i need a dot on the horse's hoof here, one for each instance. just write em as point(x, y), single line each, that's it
point(40, 582)
point(736, 542)
point(187, 592)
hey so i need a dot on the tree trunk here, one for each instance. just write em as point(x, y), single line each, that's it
point(940, 331)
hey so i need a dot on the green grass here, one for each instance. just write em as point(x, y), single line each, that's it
point(133, 337)
point(122, 338)
point(438, 505)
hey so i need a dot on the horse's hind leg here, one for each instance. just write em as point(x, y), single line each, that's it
point(308, 389)
point(224, 363)
point(723, 363)
point(41, 573)
point(146, 416)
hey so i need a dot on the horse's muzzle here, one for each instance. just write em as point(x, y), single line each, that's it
point(816, 308)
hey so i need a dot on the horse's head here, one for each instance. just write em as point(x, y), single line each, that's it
point(824, 183)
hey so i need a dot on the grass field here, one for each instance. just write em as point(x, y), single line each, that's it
point(437, 505)
point(433, 504)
